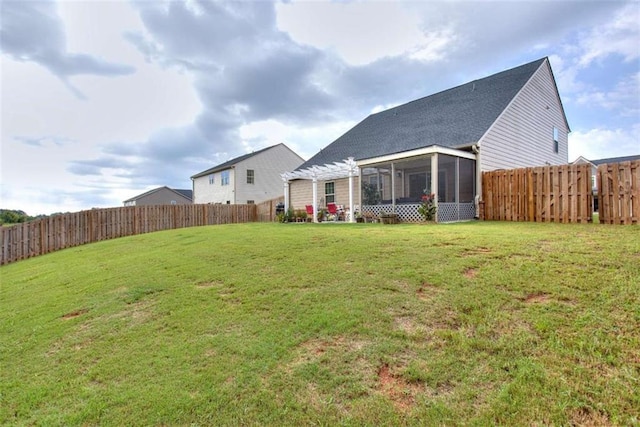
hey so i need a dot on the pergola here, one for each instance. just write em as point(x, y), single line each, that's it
point(336, 170)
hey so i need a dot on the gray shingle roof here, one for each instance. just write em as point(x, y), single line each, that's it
point(184, 193)
point(615, 160)
point(229, 163)
point(456, 117)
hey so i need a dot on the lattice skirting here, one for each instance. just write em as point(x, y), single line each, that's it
point(447, 212)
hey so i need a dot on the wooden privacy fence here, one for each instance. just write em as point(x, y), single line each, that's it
point(53, 233)
point(619, 192)
point(541, 194)
point(266, 211)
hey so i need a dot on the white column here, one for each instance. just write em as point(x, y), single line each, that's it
point(434, 181)
point(393, 187)
point(315, 199)
point(285, 182)
point(352, 214)
point(286, 196)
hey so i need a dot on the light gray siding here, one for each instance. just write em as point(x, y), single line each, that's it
point(267, 166)
point(205, 192)
point(523, 135)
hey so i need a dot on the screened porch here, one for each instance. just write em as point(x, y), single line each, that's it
point(397, 186)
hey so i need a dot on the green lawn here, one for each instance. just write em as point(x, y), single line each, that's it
point(328, 324)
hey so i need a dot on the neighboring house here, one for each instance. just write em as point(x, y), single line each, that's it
point(251, 178)
point(594, 166)
point(511, 119)
point(161, 196)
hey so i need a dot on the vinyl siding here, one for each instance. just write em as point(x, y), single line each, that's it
point(301, 192)
point(203, 192)
point(523, 135)
point(267, 166)
point(163, 196)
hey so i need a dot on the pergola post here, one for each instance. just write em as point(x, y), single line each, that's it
point(315, 198)
point(285, 181)
point(286, 195)
point(352, 165)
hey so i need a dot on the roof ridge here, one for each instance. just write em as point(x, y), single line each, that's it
point(540, 61)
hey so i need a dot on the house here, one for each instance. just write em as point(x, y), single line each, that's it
point(161, 196)
point(439, 144)
point(251, 178)
point(594, 166)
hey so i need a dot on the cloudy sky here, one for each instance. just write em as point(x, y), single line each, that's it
point(102, 100)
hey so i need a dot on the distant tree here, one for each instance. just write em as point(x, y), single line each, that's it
point(10, 216)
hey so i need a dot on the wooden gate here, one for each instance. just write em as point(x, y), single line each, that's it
point(619, 192)
point(541, 194)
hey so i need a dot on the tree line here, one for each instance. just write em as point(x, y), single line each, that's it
point(16, 216)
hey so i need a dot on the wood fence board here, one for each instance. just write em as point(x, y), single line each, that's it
point(619, 192)
point(540, 194)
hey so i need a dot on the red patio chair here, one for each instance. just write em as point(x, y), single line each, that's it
point(309, 210)
point(333, 210)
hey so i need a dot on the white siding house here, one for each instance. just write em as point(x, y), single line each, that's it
point(251, 178)
point(524, 133)
point(441, 144)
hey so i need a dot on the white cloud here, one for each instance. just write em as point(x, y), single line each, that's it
point(602, 143)
point(363, 32)
point(618, 36)
point(624, 99)
point(303, 140)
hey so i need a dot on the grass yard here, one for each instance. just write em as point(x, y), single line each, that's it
point(328, 324)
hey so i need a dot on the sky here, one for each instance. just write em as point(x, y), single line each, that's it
point(104, 100)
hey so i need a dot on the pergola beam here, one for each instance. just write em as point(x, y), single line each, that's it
point(337, 170)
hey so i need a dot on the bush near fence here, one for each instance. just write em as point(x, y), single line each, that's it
point(53, 233)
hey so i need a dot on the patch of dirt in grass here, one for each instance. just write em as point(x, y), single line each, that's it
point(406, 324)
point(401, 392)
point(476, 251)
point(312, 349)
point(136, 312)
point(470, 273)
point(207, 285)
point(74, 314)
point(587, 417)
point(536, 298)
point(426, 291)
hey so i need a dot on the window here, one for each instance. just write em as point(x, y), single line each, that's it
point(224, 178)
point(251, 202)
point(556, 138)
point(250, 176)
point(211, 179)
point(329, 192)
